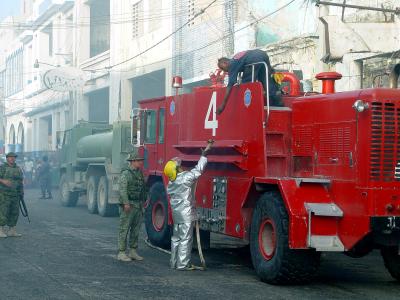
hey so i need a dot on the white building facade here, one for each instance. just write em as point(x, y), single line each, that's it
point(129, 50)
point(34, 114)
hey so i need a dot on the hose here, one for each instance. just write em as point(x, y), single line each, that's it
point(147, 242)
point(202, 260)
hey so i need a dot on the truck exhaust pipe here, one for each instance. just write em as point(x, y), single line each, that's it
point(328, 81)
point(394, 77)
point(294, 83)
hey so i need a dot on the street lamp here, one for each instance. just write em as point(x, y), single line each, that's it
point(37, 63)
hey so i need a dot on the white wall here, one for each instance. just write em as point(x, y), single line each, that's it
point(123, 46)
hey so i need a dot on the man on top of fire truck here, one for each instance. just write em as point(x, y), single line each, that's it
point(180, 190)
point(238, 64)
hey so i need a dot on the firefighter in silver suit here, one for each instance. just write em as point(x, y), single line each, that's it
point(181, 193)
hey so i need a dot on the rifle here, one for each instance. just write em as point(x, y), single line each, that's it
point(23, 209)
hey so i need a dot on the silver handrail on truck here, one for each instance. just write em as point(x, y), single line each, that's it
point(266, 80)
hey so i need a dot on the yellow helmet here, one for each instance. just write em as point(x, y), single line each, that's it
point(278, 77)
point(170, 170)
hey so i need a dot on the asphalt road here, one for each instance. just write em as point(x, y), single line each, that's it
point(66, 253)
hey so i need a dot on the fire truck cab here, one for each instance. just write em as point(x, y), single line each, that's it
point(320, 174)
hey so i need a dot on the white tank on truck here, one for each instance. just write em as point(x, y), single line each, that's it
point(92, 156)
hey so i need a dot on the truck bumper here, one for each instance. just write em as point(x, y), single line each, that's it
point(385, 224)
point(386, 230)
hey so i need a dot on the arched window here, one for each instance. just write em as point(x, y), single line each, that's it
point(20, 135)
point(11, 135)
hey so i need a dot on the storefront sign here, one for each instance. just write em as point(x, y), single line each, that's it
point(64, 79)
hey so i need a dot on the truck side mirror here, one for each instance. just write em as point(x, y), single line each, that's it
point(135, 127)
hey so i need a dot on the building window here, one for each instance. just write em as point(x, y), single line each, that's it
point(150, 135)
point(2, 79)
point(13, 77)
point(137, 21)
point(99, 27)
point(161, 126)
point(191, 13)
point(48, 30)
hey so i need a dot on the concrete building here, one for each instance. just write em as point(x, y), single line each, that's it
point(91, 44)
point(112, 49)
point(360, 43)
point(130, 49)
point(9, 53)
point(34, 114)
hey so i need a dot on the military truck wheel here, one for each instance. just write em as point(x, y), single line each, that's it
point(67, 198)
point(105, 209)
point(391, 258)
point(272, 258)
point(156, 217)
point(91, 194)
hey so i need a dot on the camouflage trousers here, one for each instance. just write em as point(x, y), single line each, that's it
point(129, 223)
point(9, 210)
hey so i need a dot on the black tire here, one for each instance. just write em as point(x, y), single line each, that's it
point(67, 198)
point(105, 209)
point(91, 194)
point(391, 258)
point(273, 260)
point(156, 217)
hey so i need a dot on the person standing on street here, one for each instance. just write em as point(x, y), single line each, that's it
point(181, 193)
point(28, 169)
point(133, 194)
point(11, 190)
point(45, 178)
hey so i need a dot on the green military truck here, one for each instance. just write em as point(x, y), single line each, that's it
point(92, 155)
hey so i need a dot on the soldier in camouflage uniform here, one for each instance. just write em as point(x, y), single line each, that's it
point(11, 190)
point(133, 193)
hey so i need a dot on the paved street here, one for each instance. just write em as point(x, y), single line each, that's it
point(66, 253)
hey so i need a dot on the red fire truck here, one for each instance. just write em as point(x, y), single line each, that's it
point(321, 173)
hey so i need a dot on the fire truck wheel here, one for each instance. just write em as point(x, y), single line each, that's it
point(67, 198)
point(91, 194)
point(156, 217)
point(272, 258)
point(391, 259)
point(105, 209)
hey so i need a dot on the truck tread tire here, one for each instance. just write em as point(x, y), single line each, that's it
point(105, 209)
point(273, 260)
point(391, 258)
point(67, 198)
point(91, 194)
point(156, 217)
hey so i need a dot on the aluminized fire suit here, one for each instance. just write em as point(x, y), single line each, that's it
point(181, 193)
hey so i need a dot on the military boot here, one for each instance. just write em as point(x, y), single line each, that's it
point(12, 232)
point(2, 233)
point(123, 257)
point(133, 254)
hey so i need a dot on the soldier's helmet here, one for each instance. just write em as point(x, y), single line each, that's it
point(134, 156)
point(11, 154)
